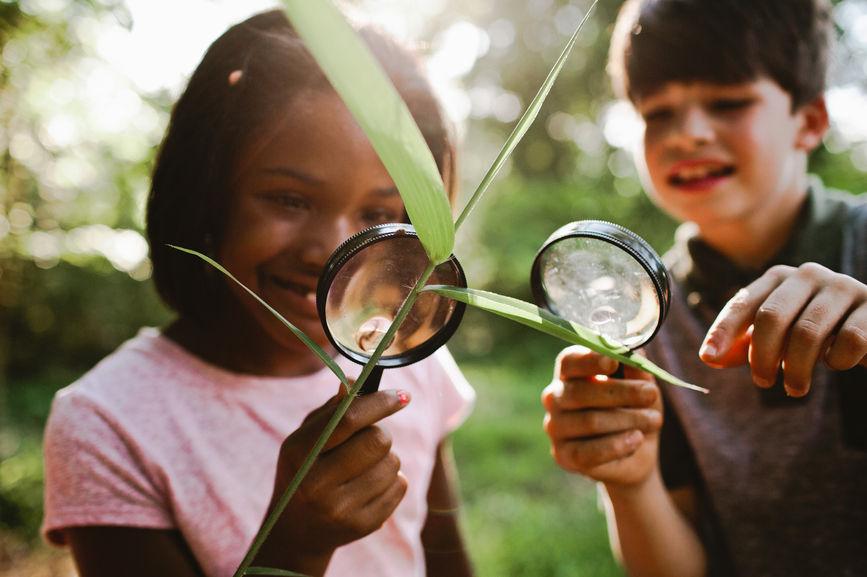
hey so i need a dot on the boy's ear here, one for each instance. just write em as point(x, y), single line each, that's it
point(814, 116)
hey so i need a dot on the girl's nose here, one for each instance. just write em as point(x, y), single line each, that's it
point(321, 238)
point(693, 130)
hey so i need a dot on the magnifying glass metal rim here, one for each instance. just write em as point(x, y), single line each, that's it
point(348, 249)
point(622, 238)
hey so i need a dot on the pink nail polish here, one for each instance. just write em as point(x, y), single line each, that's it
point(403, 398)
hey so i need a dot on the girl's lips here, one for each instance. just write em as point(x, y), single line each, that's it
point(298, 297)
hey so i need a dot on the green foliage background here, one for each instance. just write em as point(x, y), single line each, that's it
point(66, 299)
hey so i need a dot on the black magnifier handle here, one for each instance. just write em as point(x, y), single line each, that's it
point(371, 385)
point(620, 373)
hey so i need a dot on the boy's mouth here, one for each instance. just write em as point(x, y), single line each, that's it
point(691, 175)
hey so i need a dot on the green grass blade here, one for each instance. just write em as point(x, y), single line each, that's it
point(329, 362)
point(273, 572)
point(378, 108)
point(523, 124)
point(542, 320)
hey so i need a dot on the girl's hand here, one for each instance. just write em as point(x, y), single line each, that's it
point(606, 429)
point(794, 316)
point(350, 491)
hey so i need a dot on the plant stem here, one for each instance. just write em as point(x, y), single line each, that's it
point(272, 518)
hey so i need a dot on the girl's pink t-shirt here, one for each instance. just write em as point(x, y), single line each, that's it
point(154, 437)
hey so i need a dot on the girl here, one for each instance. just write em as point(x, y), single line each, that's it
point(166, 457)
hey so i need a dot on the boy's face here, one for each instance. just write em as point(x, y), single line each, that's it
point(724, 154)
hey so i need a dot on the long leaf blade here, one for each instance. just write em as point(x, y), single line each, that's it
point(378, 108)
point(542, 320)
point(273, 572)
point(523, 124)
point(317, 350)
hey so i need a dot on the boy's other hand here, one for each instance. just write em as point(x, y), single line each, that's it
point(791, 318)
point(604, 428)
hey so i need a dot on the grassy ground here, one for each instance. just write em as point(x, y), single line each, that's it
point(523, 515)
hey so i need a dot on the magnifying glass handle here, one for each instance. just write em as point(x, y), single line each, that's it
point(620, 373)
point(371, 385)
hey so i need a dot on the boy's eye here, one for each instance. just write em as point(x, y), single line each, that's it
point(730, 104)
point(656, 114)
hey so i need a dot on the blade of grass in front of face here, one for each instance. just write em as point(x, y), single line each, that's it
point(542, 320)
point(317, 350)
point(272, 572)
point(523, 124)
point(378, 108)
point(341, 409)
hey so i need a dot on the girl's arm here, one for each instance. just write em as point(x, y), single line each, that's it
point(129, 551)
point(445, 552)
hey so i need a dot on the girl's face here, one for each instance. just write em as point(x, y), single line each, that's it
point(720, 154)
point(300, 191)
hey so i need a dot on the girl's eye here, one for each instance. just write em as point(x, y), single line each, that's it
point(380, 215)
point(730, 104)
point(287, 200)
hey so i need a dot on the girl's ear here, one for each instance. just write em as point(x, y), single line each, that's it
point(814, 124)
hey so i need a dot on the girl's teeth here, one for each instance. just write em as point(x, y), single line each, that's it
point(311, 297)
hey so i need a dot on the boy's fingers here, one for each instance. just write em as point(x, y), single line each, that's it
point(591, 393)
point(738, 314)
point(807, 339)
point(366, 411)
point(573, 425)
point(583, 455)
point(737, 354)
point(772, 328)
point(579, 362)
point(849, 347)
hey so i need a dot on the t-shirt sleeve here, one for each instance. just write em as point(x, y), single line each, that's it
point(94, 473)
point(457, 396)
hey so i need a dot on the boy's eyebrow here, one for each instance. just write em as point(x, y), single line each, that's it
point(297, 175)
point(387, 191)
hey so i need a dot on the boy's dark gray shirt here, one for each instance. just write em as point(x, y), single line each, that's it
point(782, 482)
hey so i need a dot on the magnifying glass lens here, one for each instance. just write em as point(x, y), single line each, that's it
point(368, 290)
point(599, 285)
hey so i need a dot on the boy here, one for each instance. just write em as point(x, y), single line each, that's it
point(770, 274)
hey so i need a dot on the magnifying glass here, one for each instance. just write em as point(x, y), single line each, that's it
point(365, 282)
point(604, 277)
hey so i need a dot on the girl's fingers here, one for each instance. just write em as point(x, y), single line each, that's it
point(573, 425)
point(808, 336)
point(738, 314)
point(849, 347)
point(597, 394)
point(771, 327)
point(585, 454)
point(361, 452)
point(365, 411)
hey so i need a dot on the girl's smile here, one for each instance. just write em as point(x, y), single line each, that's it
point(309, 184)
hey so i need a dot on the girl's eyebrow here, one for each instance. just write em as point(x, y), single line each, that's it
point(389, 191)
point(292, 173)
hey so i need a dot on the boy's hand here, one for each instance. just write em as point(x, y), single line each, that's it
point(607, 430)
point(794, 316)
point(352, 488)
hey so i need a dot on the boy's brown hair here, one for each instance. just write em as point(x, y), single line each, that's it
point(722, 42)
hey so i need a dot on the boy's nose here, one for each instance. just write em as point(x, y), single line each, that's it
point(694, 129)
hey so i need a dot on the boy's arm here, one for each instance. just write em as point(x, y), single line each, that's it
point(444, 549)
point(608, 430)
point(794, 316)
